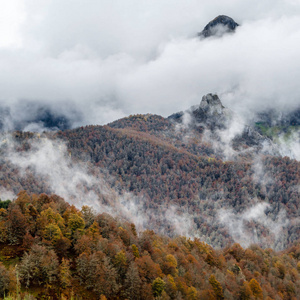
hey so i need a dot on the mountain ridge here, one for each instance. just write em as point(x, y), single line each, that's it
point(195, 171)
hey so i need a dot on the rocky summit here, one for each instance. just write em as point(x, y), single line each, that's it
point(218, 26)
point(210, 113)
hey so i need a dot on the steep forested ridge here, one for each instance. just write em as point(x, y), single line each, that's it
point(167, 170)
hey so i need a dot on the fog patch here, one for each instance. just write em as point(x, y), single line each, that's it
point(222, 139)
point(290, 146)
point(181, 221)
point(6, 194)
point(259, 175)
point(264, 229)
point(51, 161)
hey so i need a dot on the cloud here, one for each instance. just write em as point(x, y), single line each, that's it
point(49, 160)
point(260, 176)
point(107, 60)
point(11, 18)
point(290, 146)
point(222, 139)
point(6, 194)
point(182, 221)
point(263, 228)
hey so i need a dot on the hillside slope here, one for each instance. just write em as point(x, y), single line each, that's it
point(167, 175)
point(50, 249)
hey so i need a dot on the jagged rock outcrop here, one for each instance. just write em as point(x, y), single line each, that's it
point(218, 26)
point(209, 114)
point(212, 113)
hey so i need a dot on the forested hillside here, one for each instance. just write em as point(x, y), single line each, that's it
point(168, 171)
point(50, 249)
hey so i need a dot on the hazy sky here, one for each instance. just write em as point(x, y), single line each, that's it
point(109, 59)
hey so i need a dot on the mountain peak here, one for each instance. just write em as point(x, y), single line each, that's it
point(211, 104)
point(218, 26)
point(210, 113)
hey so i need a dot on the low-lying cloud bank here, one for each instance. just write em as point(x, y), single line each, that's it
point(95, 63)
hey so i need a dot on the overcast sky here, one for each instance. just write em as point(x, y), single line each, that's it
point(108, 59)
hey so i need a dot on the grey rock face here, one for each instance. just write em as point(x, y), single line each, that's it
point(209, 114)
point(212, 113)
point(218, 26)
point(211, 104)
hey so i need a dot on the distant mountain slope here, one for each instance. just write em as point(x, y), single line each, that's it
point(165, 176)
point(273, 123)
